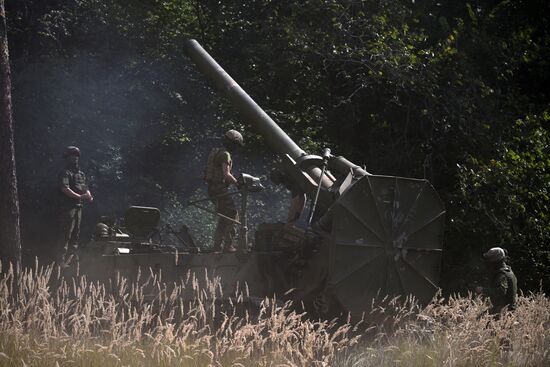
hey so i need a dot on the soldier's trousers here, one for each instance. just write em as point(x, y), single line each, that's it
point(225, 229)
point(69, 232)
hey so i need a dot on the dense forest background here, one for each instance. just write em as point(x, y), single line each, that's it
point(455, 92)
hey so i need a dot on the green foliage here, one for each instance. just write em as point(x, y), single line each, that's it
point(505, 200)
point(454, 92)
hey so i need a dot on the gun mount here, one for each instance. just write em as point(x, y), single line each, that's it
point(371, 234)
point(380, 233)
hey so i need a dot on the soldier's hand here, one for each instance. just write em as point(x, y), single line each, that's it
point(87, 196)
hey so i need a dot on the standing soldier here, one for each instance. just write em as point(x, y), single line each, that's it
point(503, 288)
point(218, 176)
point(73, 192)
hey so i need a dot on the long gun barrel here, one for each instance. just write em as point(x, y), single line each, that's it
point(277, 139)
point(379, 233)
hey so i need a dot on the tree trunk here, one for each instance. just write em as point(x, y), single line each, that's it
point(10, 237)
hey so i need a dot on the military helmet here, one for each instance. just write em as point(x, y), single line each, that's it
point(495, 254)
point(71, 150)
point(235, 137)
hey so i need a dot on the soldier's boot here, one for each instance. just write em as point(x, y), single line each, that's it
point(218, 237)
point(229, 235)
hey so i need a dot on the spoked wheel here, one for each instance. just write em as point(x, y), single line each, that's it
point(387, 239)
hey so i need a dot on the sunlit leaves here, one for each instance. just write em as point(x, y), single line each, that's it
point(506, 198)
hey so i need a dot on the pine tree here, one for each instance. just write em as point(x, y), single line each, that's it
point(10, 238)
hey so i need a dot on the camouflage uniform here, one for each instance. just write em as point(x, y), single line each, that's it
point(503, 289)
point(70, 210)
point(218, 192)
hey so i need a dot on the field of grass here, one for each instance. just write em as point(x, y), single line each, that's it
point(46, 320)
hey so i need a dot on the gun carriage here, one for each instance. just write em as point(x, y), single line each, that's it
point(370, 234)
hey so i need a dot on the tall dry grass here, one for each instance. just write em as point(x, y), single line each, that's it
point(46, 320)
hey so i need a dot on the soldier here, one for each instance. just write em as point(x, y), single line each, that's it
point(218, 176)
point(502, 290)
point(73, 192)
point(298, 200)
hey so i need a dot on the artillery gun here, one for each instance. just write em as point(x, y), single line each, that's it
point(369, 234)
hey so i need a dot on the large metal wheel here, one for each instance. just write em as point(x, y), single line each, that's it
point(387, 238)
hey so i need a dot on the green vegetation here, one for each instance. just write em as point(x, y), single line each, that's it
point(47, 320)
point(451, 91)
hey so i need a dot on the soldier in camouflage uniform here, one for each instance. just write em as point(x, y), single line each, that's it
point(218, 176)
point(503, 288)
point(73, 192)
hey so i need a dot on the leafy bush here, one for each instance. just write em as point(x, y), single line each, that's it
point(505, 201)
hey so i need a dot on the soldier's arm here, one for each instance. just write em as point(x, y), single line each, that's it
point(225, 160)
point(70, 193)
point(88, 196)
point(64, 187)
point(227, 175)
point(296, 209)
